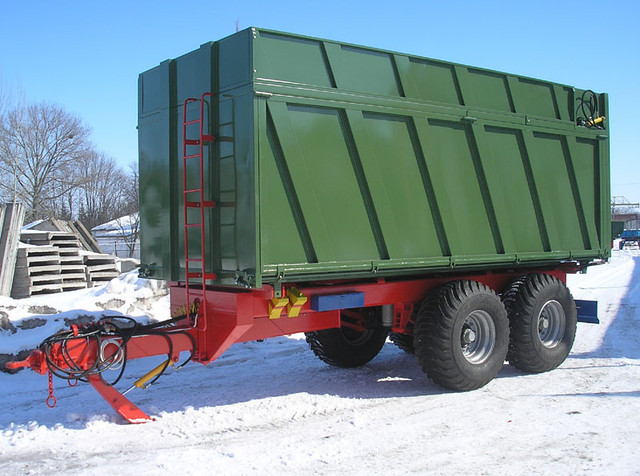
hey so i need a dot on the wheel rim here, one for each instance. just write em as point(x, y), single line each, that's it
point(551, 324)
point(354, 337)
point(478, 337)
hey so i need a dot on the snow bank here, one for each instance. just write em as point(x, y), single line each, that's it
point(26, 322)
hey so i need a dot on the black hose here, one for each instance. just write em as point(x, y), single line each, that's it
point(120, 327)
point(589, 109)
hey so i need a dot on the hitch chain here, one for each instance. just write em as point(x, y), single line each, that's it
point(51, 400)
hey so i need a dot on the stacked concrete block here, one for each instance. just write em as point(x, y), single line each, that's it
point(100, 268)
point(38, 271)
point(72, 267)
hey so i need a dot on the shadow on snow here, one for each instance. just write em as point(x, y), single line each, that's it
point(622, 338)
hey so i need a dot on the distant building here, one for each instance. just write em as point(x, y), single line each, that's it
point(622, 210)
point(119, 237)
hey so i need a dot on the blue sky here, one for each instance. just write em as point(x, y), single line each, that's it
point(86, 56)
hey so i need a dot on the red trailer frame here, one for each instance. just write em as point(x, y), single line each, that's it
point(230, 315)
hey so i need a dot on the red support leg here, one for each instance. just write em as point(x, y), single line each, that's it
point(119, 402)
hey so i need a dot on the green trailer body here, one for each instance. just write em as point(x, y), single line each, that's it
point(335, 161)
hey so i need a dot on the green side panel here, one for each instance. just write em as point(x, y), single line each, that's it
point(512, 191)
point(157, 165)
point(274, 55)
point(549, 166)
point(448, 153)
point(485, 89)
point(391, 163)
point(363, 70)
point(238, 175)
point(227, 165)
point(234, 67)
point(284, 231)
point(227, 192)
point(317, 159)
point(534, 98)
point(429, 80)
point(585, 162)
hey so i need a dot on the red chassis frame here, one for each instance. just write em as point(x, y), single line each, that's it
point(241, 315)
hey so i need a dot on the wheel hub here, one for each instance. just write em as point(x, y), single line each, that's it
point(478, 337)
point(551, 324)
point(468, 336)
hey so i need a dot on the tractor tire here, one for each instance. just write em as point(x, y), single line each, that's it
point(543, 319)
point(403, 341)
point(461, 335)
point(349, 347)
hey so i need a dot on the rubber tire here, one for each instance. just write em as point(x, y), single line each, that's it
point(344, 347)
point(403, 341)
point(438, 330)
point(524, 301)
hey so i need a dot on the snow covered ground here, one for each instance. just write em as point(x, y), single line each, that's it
point(271, 407)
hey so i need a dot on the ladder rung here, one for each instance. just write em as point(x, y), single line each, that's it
point(204, 204)
point(198, 275)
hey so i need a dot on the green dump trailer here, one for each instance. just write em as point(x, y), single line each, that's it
point(337, 161)
point(292, 184)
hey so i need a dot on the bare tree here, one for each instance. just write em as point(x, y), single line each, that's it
point(129, 225)
point(41, 148)
point(101, 197)
point(10, 97)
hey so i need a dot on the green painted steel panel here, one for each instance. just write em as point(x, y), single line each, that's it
point(341, 161)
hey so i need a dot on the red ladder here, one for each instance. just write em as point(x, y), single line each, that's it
point(195, 280)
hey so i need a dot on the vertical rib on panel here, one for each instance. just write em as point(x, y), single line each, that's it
point(456, 187)
point(428, 188)
point(473, 132)
point(391, 167)
point(582, 159)
point(552, 178)
point(347, 117)
point(273, 211)
point(533, 188)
